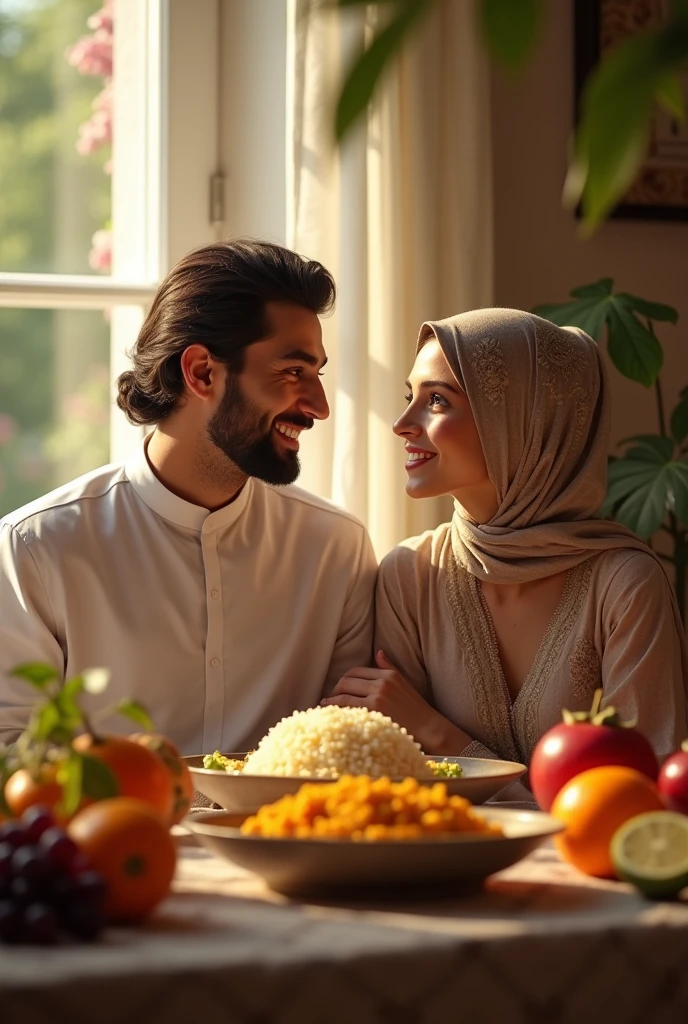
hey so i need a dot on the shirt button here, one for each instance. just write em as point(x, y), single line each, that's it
point(214, 593)
point(215, 662)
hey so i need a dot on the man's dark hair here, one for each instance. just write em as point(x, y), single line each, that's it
point(215, 296)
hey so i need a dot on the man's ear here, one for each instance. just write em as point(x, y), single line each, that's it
point(203, 375)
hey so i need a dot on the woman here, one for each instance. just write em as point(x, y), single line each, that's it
point(525, 603)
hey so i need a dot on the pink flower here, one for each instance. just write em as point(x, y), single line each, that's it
point(92, 55)
point(100, 256)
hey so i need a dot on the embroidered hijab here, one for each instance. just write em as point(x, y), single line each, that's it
point(540, 399)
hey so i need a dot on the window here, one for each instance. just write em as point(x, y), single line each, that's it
point(100, 192)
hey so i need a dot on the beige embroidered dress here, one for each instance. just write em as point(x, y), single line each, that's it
point(540, 400)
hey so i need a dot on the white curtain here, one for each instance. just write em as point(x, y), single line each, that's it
point(402, 216)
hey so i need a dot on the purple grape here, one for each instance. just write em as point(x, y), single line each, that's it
point(35, 821)
point(59, 849)
point(84, 920)
point(91, 888)
point(6, 854)
point(13, 833)
point(79, 865)
point(31, 863)
point(39, 924)
point(10, 921)
point(22, 891)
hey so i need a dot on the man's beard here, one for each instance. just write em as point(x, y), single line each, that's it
point(244, 435)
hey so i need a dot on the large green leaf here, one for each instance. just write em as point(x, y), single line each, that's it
point(641, 491)
point(633, 349)
point(652, 310)
point(511, 29)
point(669, 95)
point(360, 84)
point(70, 777)
point(588, 314)
point(617, 103)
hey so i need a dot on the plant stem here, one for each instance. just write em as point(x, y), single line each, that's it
point(658, 393)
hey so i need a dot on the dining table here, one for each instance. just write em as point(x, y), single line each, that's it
point(539, 942)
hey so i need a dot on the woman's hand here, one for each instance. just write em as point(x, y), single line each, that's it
point(384, 689)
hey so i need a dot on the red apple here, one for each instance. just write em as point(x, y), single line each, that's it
point(587, 739)
point(673, 780)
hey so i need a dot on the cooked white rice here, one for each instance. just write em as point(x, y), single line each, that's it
point(328, 741)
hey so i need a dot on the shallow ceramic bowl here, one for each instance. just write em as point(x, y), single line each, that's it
point(434, 866)
point(481, 778)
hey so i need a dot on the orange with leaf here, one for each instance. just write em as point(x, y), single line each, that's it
point(178, 772)
point(64, 762)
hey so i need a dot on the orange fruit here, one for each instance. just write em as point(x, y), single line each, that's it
point(592, 806)
point(125, 841)
point(183, 788)
point(25, 789)
point(139, 773)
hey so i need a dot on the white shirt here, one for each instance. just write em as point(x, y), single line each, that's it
point(220, 623)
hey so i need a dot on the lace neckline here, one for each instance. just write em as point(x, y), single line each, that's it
point(510, 725)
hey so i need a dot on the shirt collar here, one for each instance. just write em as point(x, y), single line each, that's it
point(173, 508)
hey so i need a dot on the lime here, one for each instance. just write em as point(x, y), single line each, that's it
point(651, 851)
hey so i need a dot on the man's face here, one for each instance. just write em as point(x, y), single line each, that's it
point(278, 394)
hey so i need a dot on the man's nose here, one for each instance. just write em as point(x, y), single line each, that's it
point(314, 401)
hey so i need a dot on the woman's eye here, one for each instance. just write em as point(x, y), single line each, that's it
point(436, 399)
point(408, 399)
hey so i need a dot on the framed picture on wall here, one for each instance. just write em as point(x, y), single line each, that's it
point(660, 191)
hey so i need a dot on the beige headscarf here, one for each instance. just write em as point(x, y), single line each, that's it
point(540, 399)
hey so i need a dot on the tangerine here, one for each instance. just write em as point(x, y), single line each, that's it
point(125, 841)
point(183, 788)
point(25, 789)
point(592, 806)
point(139, 773)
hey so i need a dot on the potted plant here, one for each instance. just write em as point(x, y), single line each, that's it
point(647, 486)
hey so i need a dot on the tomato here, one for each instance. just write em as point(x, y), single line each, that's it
point(125, 841)
point(586, 740)
point(181, 782)
point(139, 773)
point(592, 806)
point(673, 780)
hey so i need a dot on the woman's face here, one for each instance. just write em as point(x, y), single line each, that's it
point(443, 450)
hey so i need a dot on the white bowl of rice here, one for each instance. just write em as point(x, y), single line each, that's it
point(321, 744)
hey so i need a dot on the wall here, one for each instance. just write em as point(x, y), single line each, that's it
point(539, 257)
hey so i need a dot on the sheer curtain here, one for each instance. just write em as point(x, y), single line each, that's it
point(402, 216)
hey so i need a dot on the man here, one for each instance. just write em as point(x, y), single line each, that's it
point(217, 594)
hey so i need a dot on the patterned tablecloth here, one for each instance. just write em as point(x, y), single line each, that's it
point(540, 944)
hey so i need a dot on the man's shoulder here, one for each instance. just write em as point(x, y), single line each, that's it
point(295, 501)
point(96, 484)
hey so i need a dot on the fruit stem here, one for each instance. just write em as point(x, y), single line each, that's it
point(596, 701)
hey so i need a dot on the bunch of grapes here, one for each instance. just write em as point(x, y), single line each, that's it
point(46, 886)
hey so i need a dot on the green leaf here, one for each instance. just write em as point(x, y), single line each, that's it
point(639, 493)
point(98, 780)
point(360, 84)
point(598, 290)
point(635, 352)
point(652, 310)
point(47, 720)
point(679, 420)
point(70, 777)
point(617, 102)
point(37, 673)
point(653, 447)
point(511, 29)
point(588, 314)
point(136, 712)
point(678, 494)
point(669, 95)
